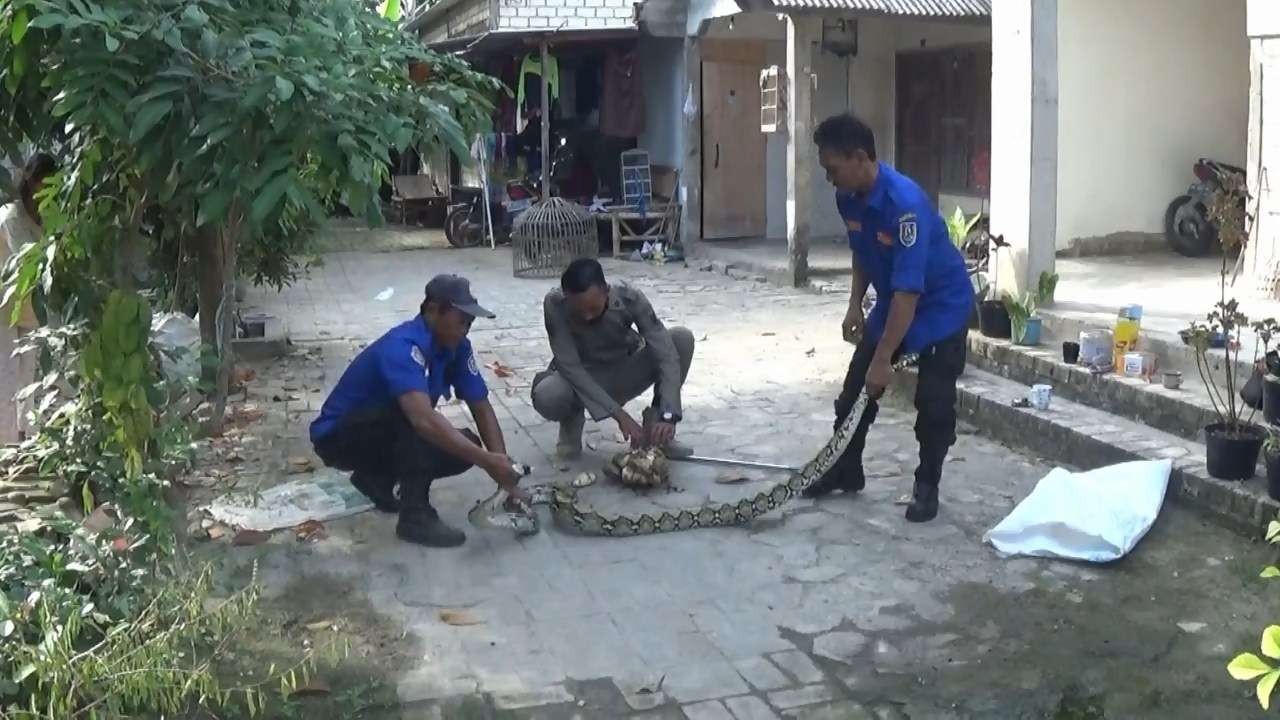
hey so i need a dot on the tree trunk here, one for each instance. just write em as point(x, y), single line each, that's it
point(216, 257)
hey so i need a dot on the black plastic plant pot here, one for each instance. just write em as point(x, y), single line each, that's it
point(993, 320)
point(1232, 453)
point(1273, 474)
point(973, 317)
point(1271, 398)
point(1070, 352)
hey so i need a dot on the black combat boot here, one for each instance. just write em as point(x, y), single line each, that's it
point(924, 498)
point(924, 503)
point(846, 476)
point(419, 523)
point(380, 490)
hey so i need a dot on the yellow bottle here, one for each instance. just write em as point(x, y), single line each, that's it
point(1128, 324)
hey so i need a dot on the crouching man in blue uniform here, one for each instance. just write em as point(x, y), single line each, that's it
point(923, 300)
point(380, 422)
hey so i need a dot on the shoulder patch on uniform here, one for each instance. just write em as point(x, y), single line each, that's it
point(416, 353)
point(884, 238)
point(907, 230)
point(471, 365)
point(854, 225)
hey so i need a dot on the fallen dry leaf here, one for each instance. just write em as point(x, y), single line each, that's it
point(500, 370)
point(319, 625)
point(244, 414)
point(240, 376)
point(216, 532)
point(810, 352)
point(311, 531)
point(315, 688)
point(300, 464)
point(767, 334)
point(730, 479)
point(459, 618)
point(100, 519)
point(250, 537)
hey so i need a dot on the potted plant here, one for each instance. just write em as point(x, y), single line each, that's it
point(959, 227)
point(1271, 457)
point(1232, 444)
point(1023, 321)
point(993, 316)
point(1048, 286)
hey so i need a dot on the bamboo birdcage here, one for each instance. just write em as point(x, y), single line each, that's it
point(549, 236)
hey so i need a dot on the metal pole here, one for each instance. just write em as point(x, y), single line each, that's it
point(546, 123)
point(484, 187)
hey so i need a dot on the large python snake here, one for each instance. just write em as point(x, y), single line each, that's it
point(572, 514)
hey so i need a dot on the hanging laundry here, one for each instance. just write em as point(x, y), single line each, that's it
point(532, 65)
point(622, 104)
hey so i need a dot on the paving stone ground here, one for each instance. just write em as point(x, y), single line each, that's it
point(838, 609)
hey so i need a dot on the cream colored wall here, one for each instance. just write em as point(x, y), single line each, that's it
point(863, 84)
point(1145, 87)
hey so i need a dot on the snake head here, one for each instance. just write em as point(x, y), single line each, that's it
point(907, 360)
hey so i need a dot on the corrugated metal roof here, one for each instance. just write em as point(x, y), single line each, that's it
point(918, 8)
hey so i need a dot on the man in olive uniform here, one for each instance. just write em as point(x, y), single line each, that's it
point(608, 347)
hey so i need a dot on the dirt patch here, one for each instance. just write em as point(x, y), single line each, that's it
point(360, 653)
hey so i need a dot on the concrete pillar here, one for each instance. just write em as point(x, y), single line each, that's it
point(1024, 126)
point(690, 190)
point(1262, 253)
point(803, 34)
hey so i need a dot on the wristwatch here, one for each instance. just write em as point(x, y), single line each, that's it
point(670, 417)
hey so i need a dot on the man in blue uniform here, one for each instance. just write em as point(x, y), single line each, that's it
point(923, 300)
point(380, 422)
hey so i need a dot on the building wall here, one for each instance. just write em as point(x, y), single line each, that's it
point(1145, 87)
point(565, 14)
point(663, 80)
point(465, 18)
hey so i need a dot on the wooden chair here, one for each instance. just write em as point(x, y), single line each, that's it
point(412, 190)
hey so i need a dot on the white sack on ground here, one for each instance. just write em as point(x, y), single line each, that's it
point(1097, 516)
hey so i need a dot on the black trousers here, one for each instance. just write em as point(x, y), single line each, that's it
point(381, 447)
point(940, 366)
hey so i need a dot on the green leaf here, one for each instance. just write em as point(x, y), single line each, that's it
point(112, 43)
point(213, 207)
point(1270, 571)
point(20, 23)
point(270, 196)
point(1265, 686)
point(1271, 642)
point(1273, 530)
point(284, 89)
point(47, 20)
point(150, 114)
point(1247, 666)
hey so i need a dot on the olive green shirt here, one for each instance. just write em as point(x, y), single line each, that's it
point(581, 350)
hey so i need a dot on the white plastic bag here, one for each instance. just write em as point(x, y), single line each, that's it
point(179, 337)
point(1098, 516)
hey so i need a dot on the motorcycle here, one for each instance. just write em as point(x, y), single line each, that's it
point(1187, 227)
point(466, 220)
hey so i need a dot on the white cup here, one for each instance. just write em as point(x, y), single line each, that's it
point(1039, 396)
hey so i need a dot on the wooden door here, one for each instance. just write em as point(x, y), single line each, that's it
point(918, 127)
point(733, 151)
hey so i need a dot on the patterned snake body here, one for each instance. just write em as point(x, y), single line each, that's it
point(572, 514)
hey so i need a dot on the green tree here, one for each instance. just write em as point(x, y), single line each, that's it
point(226, 126)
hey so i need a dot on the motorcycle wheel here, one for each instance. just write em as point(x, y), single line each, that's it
point(457, 228)
point(1191, 235)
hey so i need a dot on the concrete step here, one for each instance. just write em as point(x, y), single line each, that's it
point(1183, 412)
point(1171, 353)
point(1083, 437)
